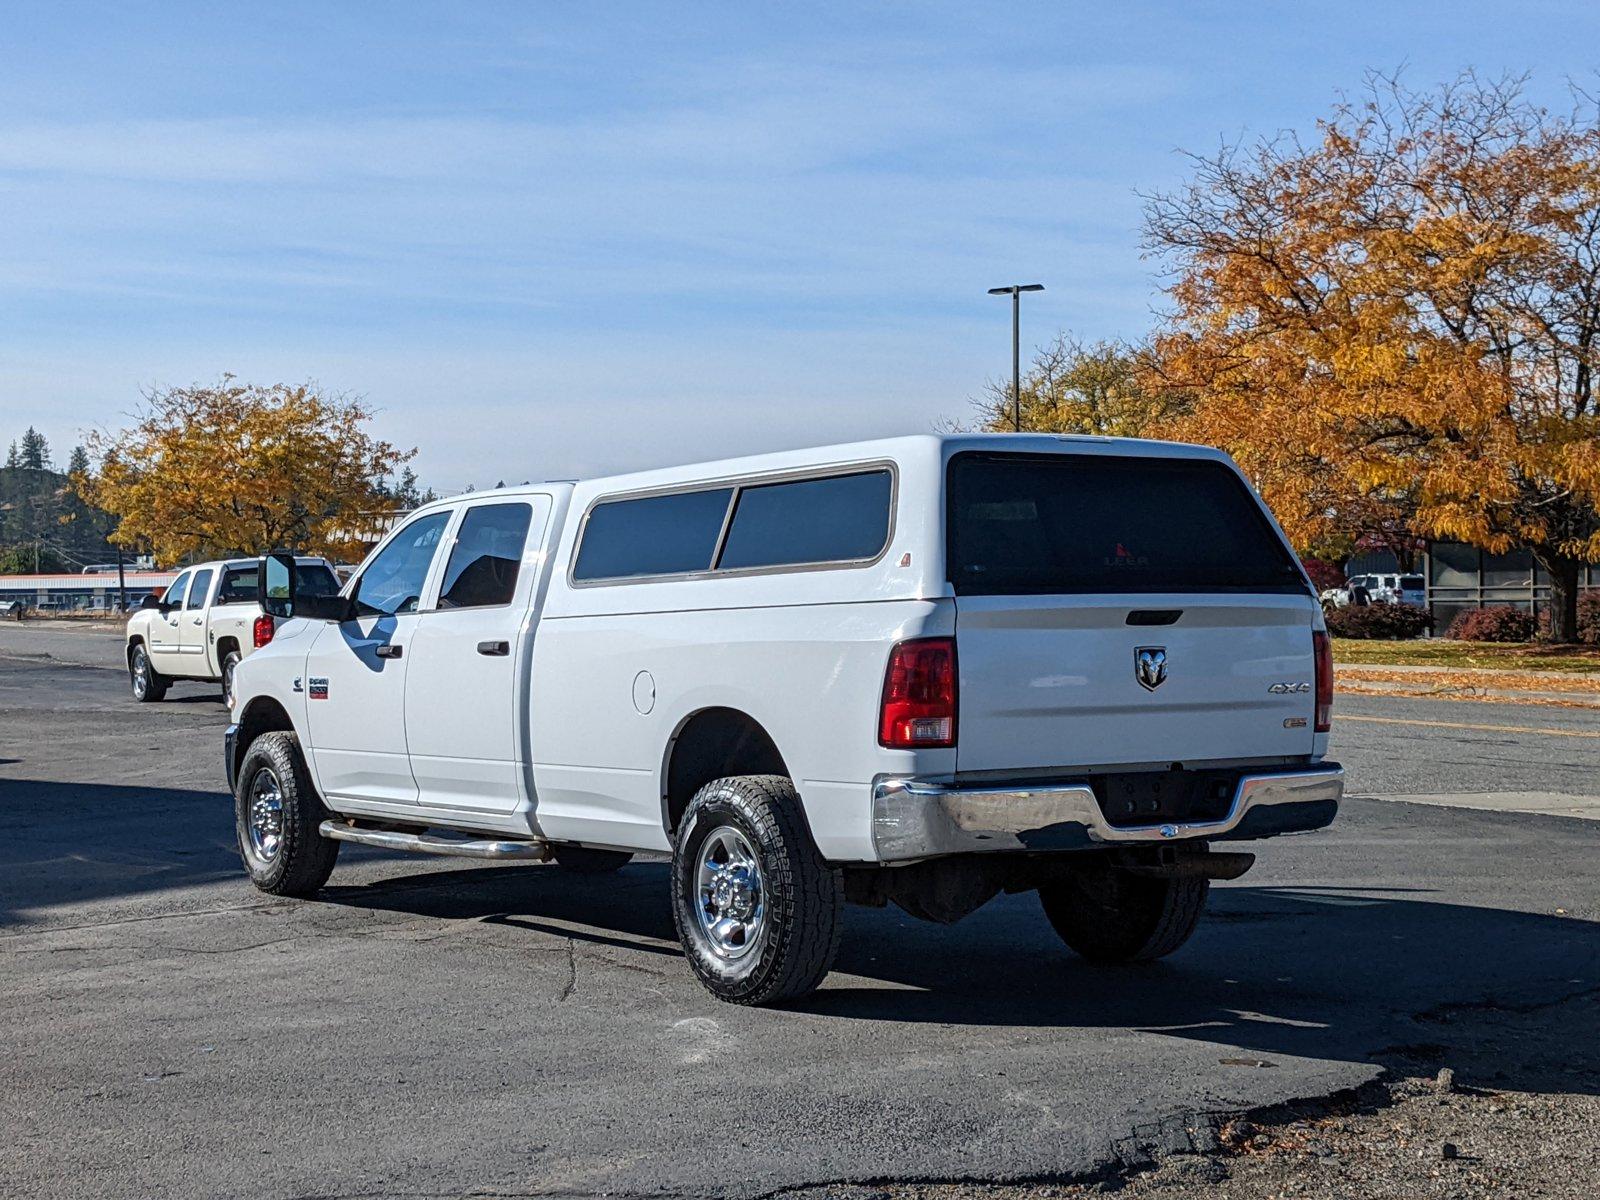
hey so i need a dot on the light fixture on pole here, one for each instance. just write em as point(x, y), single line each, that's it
point(1015, 292)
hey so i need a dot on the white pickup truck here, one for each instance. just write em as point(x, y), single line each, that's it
point(922, 671)
point(207, 620)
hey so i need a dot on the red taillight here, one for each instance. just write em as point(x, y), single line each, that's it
point(919, 695)
point(1324, 652)
point(263, 630)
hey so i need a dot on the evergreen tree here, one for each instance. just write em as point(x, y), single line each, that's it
point(35, 450)
point(78, 463)
point(406, 493)
point(13, 458)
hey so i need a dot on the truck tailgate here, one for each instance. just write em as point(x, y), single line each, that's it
point(1056, 682)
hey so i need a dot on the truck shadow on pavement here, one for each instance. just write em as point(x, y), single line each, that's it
point(1380, 975)
point(76, 843)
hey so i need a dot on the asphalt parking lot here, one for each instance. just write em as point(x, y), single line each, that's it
point(430, 1028)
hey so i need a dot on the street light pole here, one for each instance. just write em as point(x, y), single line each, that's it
point(1015, 291)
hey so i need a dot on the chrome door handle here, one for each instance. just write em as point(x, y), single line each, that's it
point(494, 649)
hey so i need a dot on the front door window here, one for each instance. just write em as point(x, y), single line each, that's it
point(173, 596)
point(392, 582)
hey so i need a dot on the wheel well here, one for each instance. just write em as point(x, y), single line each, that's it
point(135, 640)
point(714, 743)
point(261, 715)
point(224, 645)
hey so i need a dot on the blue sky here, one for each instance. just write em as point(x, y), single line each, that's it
point(548, 240)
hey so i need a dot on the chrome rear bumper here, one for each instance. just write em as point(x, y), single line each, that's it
point(914, 819)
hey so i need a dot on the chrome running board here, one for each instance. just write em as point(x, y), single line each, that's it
point(427, 843)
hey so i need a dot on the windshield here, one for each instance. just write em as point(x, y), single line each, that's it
point(1074, 523)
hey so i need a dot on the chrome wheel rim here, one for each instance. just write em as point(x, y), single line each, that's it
point(227, 682)
point(266, 815)
point(730, 895)
point(141, 674)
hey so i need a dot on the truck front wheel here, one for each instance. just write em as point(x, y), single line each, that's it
point(756, 906)
point(1111, 915)
point(277, 813)
point(148, 685)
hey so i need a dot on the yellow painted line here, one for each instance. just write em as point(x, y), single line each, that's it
point(1578, 733)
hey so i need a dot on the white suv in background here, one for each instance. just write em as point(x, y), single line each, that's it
point(1390, 589)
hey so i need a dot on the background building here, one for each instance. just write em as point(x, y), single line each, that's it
point(96, 592)
point(1461, 577)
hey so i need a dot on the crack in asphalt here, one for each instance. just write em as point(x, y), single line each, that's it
point(572, 972)
point(173, 916)
point(1445, 1012)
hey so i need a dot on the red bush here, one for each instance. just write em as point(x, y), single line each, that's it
point(1378, 620)
point(1324, 574)
point(1498, 623)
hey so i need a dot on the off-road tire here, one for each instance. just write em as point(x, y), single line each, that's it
point(155, 683)
point(804, 896)
point(230, 663)
point(304, 858)
point(583, 860)
point(1110, 915)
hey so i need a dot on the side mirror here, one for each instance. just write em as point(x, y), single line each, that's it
point(150, 601)
point(278, 593)
point(275, 584)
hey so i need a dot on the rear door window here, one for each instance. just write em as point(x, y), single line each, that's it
point(238, 585)
point(1071, 524)
point(652, 535)
point(316, 579)
point(482, 570)
point(840, 519)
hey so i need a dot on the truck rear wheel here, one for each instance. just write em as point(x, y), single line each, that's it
point(277, 813)
point(148, 685)
point(756, 906)
point(1111, 915)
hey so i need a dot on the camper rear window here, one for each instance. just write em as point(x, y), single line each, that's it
point(1069, 524)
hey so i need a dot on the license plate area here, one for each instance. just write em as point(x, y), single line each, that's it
point(1161, 797)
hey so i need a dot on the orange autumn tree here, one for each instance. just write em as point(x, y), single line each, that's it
point(1397, 325)
point(238, 469)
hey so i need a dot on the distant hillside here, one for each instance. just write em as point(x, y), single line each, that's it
point(37, 506)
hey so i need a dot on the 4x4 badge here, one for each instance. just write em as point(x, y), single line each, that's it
point(1150, 666)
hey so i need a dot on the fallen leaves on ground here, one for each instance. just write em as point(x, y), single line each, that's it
point(1469, 680)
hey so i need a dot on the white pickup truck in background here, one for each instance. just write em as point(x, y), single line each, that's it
point(918, 671)
point(205, 623)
